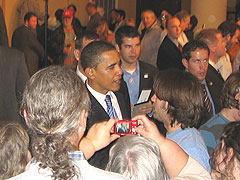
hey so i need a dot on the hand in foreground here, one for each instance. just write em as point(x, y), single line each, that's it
point(148, 128)
point(98, 137)
point(100, 134)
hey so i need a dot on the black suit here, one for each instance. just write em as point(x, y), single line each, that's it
point(169, 56)
point(147, 74)
point(215, 84)
point(98, 114)
point(13, 77)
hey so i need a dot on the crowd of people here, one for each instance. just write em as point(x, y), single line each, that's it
point(183, 89)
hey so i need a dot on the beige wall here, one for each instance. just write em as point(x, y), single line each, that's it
point(129, 6)
point(210, 13)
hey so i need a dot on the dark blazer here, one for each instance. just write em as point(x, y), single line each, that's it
point(25, 40)
point(3, 30)
point(13, 77)
point(98, 114)
point(169, 56)
point(147, 74)
point(215, 84)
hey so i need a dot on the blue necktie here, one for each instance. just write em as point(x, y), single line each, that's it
point(110, 109)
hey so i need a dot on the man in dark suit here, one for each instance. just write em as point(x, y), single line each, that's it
point(13, 77)
point(25, 39)
point(216, 44)
point(137, 74)
point(101, 64)
point(195, 60)
point(169, 53)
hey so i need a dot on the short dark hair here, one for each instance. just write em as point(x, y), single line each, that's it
point(192, 46)
point(125, 31)
point(230, 89)
point(73, 6)
point(121, 13)
point(184, 95)
point(58, 14)
point(91, 54)
point(28, 16)
point(228, 27)
point(88, 35)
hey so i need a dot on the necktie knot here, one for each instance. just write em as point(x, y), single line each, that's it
point(110, 109)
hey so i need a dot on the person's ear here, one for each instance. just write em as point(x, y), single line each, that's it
point(90, 72)
point(212, 48)
point(228, 37)
point(117, 48)
point(230, 154)
point(185, 63)
point(25, 116)
point(237, 97)
point(166, 106)
point(82, 124)
point(77, 54)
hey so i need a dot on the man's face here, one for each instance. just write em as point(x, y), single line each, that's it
point(197, 64)
point(148, 19)
point(130, 49)
point(185, 23)
point(108, 74)
point(220, 46)
point(159, 108)
point(173, 28)
point(72, 9)
point(67, 22)
point(32, 23)
point(233, 39)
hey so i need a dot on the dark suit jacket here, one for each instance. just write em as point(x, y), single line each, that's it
point(98, 114)
point(215, 84)
point(3, 30)
point(25, 40)
point(13, 77)
point(147, 74)
point(169, 56)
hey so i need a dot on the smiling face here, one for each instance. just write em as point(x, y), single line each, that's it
point(130, 50)
point(197, 64)
point(107, 75)
point(148, 18)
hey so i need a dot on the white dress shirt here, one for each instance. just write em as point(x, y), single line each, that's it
point(101, 99)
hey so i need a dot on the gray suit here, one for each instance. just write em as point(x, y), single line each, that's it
point(13, 77)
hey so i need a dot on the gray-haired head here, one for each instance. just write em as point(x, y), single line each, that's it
point(137, 158)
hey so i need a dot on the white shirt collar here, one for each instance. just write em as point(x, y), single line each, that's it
point(101, 99)
point(213, 64)
point(81, 75)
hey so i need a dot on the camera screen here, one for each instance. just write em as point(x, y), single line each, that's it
point(122, 127)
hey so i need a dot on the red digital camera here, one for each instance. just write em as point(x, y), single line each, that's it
point(124, 127)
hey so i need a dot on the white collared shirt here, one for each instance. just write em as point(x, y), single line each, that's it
point(213, 65)
point(81, 75)
point(101, 99)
